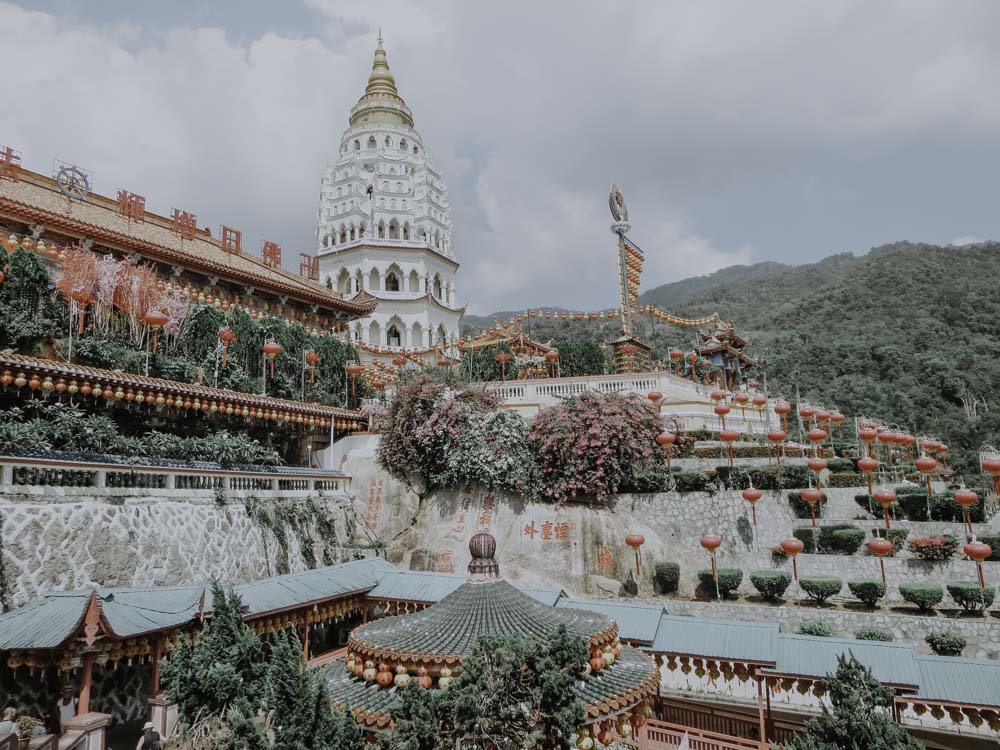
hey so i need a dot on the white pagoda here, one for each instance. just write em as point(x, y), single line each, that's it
point(384, 227)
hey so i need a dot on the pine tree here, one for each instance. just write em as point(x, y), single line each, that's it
point(859, 716)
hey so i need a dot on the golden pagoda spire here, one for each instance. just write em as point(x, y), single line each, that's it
point(381, 81)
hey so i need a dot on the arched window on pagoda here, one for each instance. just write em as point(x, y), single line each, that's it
point(415, 150)
point(353, 232)
point(381, 231)
point(414, 281)
point(392, 282)
point(417, 336)
point(388, 142)
point(392, 337)
point(402, 145)
point(393, 230)
point(371, 141)
point(406, 229)
point(358, 281)
point(437, 286)
point(374, 333)
point(344, 281)
point(361, 231)
point(343, 233)
point(357, 145)
point(374, 280)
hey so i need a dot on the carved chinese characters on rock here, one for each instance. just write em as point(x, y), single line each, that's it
point(374, 504)
point(486, 514)
point(547, 531)
point(605, 562)
point(131, 206)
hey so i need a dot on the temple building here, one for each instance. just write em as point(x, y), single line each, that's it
point(384, 226)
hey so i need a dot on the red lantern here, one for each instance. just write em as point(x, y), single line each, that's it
point(227, 336)
point(777, 437)
point(868, 466)
point(792, 547)
point(752, 495)
point(156, 320)
point(272, 349)
point(729, 437)
point(811, 496)
point(654, 397)
point(665, 440)
point(782, 408)
point(991, 466)
point(313, 359)
point(885, 498)
point(759, 401)
point(967, 499)
point(711, 543)
point(503, 358)
point(354, 369)
point(635, 541)
point(978, 551)
point(718, 395)
point(676, 355)
point(881, 548)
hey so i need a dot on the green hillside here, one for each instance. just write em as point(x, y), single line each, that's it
point(908, 332)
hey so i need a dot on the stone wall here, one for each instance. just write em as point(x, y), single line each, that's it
point(72, 537)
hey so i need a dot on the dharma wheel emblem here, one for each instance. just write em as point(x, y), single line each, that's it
point(73, 183)
point(617, 204)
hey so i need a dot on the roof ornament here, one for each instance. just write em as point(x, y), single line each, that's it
point(483, 566)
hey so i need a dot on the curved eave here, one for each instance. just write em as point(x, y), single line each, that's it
point(370, 244)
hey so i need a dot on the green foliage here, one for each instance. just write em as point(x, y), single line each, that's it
point(867, 590)
point(771, 584)
point(30, 311)
point(729, 580)
point(872, 633)
point(815, 627)
point(933, 547)
point(667, 575)
point(859, 714)
point(925, 595)
point(993, 540)
point(577, 358)
point(693, 481)
point(807, 535)
point(847, 541)
point(821, 588)
point(970, 596)
point(801, 508)
point(944, 643)
point(419, 717)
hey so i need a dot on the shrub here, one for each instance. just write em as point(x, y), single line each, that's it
point(693, 481)
point(801, 508)
point(912, 505)
point(944, 508)
point(924, 595)
point(867, 590)
point(872, 633)
point(729, 580)
point(592, 445)
point(933, 547)
point(821, 588)
point(667, 575)
point(946, 644)
point(653, 477)
point(896, 536)
point(970, 596)
point(771, 584)
point(994, 541)
point(806, 535)
point(842, 466)
point(816, 627)
point(794, 476)
point(845, 479)
point(847, 541)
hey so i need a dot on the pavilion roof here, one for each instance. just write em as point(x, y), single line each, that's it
point(36, 198)
point(966, 681)
point(426, 587)
point(638, 622)
point(19, 362)
point(508, 333)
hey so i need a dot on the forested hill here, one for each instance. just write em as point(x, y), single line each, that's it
point(909, 332)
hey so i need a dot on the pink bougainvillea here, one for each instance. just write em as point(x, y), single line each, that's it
point(591, 445)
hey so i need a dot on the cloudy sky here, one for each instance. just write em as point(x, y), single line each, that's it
point(739, 131)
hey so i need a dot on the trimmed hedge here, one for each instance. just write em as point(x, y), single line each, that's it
point(763, 477)
point(821, 588)
point(846, 479)
point(842, 466)
point(693, 481)
point(871, 633)
point(970, 597)
point(771, 584)
point(994, 541)
point(815, 627)
point(912, 502)
point(867, 590)
point(924, 595)
point(729, 579)
point(933, 547)
point(801, 508)
point(806, 535)
point(946, 644)
point(667, 575)
point(846, 541)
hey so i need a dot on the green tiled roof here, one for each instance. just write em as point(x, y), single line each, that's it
point(453, 625)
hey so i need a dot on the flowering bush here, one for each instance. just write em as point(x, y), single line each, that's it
point(593, 445)
point(933, 547)
point(435, 437)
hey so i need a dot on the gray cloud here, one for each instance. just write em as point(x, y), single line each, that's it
point(740, 131)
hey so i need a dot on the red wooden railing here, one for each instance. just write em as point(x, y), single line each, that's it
point(660, 735)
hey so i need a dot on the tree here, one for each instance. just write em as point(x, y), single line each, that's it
point(858, 717)
point(29, 311)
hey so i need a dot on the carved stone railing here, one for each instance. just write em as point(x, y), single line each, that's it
point(54, 472)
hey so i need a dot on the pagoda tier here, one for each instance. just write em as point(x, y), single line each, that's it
point(430, 645)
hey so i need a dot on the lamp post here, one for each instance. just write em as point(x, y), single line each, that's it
point(711, 543)
point(635, 541)
point(792, 547)
point(811, 496)
point(978, 551)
